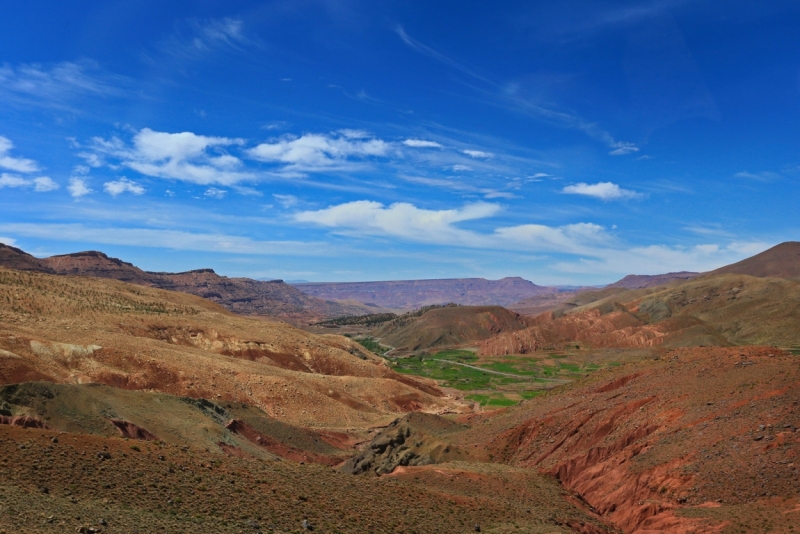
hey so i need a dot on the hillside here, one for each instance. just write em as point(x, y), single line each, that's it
point(640, 281)
point(413, 294)
point(240, 295)
point(710, 310)
point(781, 260)
point(446, 327)
point(77, 330)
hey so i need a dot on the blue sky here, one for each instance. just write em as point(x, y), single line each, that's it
point(566, 142)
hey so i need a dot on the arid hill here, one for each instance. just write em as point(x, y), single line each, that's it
point(413, 294)
point(14, 258)
point(781, 260)
point(77, 330)
point(695, 440)
point(711, 310)
point(240, 295)
point(446, 326)
point(640, 281)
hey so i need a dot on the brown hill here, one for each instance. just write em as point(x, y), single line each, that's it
point(640, 281)
point(18, 259)
point(446, 327)
point(413, 294)
point(240, 295)
point(710, 310)
point(79, 329)
point(781, 260)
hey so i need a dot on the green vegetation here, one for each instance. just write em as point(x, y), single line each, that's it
point(497, 399)
point(370, 344)
point(371, 319)
point(505, 380)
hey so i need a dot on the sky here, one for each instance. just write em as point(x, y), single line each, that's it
point(569, 143)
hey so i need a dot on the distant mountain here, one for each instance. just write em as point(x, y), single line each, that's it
point(782, 261)
point(445, 326)
point(640, 281)
point(412, 294)
point(240, 295)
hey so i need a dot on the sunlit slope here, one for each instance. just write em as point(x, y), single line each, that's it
point(447, 326)
point(79, 330)
point(711, 310)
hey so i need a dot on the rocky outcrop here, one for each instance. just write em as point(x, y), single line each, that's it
point(414, 440)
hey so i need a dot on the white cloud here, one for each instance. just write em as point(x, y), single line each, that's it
point(401, 220)
point(355, 134)
point(601, 190)
point(478, 154)
point(166, 239)
point(14, 164)
point(459, 168)
point(622, 148)
point(123, 185)
point(580, 238)
point(77, 187)
point(9, 180)
point(213, 192)
point(42, 184)
point(7, 241)
point(656, 259)
point(183, 156)
point(287, 201)
point(421, 143)
point(317, 152)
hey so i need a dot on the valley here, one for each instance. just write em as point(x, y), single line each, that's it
point(126, 407)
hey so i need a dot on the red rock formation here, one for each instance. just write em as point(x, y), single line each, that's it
point(25, 421)
point(132, 431)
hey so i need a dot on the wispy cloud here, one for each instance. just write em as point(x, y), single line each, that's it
point(601, 190)
point(318, 152)
point(57, 85)
point(214, 192)
point(123, 185)
point(287, 201)
point(197, 38)
point(165, 239)
point(501, 95)
point(421, 143)
point(14, 164)
point(479, 154)
point(763, 176)
point(458, 185)
point(42, 184)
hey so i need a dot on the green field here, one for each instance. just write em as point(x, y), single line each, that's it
point(522, 376)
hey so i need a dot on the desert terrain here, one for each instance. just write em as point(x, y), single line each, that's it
point(664, 407)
